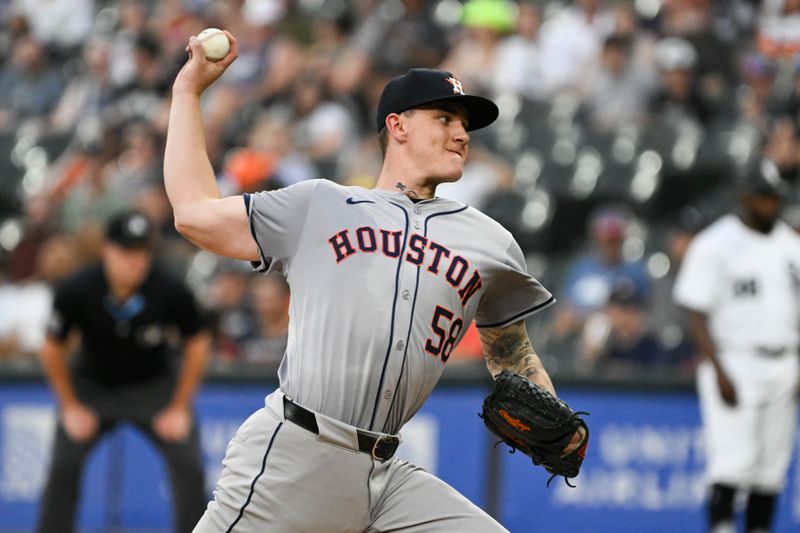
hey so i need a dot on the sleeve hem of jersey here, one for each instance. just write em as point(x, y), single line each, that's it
point(522, 314)
point(264, 264)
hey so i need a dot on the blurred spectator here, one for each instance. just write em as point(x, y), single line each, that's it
point(323, 127)
point(474, 54)
point(267, 65)
point(60, 24)
point(269, 158)
point(666, 319)
point(330, 31)
point(779, 28)
point(591, 278)
point(394, 37)
point(269, 60)
point(29, 82)
point(132, 19)
point(80, 191)
point(758, 74)
point(483, 175)
point(226, 301)
point(172, 21)
point(362, 165)
point(783, 147)
point(571, 41)
point(89, 92)
point(142, 96)
point(25, 303)
point(693, 21)
point(92, 186)
point(616, 92)
point(641, 36)
point(137, 169)
point(270, 302)
point(678, 97)
point(517, 65)
point(37, 226)
point(617, 340)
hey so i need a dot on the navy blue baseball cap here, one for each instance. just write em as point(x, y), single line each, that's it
point(131, 229)
point(421, 86)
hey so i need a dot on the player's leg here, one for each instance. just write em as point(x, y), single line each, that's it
point(277, 476)
point(60, 497)
point(183, 458)
point(720, 508)
point(731, 445)
point(412, 500)
point(243, 466)
point(187, 479)
point(777, 431)
point(760, 511)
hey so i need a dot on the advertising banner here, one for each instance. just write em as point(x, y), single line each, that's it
point(643, 471)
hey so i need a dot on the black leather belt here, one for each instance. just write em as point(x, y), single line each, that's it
point(381, 447)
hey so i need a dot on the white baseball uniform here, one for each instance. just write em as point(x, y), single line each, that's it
point(748, 285)
point(383, 288)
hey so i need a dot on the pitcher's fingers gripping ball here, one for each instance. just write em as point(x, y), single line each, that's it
point(528, 418)
point(215, 43)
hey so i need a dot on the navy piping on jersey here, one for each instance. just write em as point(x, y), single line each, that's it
point(394, 308)
point(264, 262)
point(411, 322)
point(528, 311)
point(255, 480)
point(386, 429)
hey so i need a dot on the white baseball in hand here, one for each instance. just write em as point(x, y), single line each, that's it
point(215, 43)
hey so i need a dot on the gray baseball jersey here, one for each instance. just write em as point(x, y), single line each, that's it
point(383, 288)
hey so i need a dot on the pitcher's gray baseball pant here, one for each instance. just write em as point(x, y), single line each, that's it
point(280, 477)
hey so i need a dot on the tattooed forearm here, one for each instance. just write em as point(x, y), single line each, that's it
point(511, 348)
point(508, 349)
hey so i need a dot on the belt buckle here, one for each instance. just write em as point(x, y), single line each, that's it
point(385, 439)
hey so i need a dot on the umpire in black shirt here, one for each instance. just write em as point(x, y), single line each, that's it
point(124, 309)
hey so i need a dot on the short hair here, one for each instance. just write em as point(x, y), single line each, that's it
point(383, 141)
point(383, 135)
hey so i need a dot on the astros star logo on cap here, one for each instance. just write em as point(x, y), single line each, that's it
point(457, 87)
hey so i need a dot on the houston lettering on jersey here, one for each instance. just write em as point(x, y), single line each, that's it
point(421, 252)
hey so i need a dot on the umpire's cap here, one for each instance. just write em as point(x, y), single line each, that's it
point(420, 86)
point(763, 178)
point(131, 229)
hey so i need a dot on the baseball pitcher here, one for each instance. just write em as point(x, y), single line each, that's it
point(384, 283)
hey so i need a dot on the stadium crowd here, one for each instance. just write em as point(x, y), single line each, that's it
point(624, 126)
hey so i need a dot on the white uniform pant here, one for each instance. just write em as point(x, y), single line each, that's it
point(750, 445)
point(279, 477)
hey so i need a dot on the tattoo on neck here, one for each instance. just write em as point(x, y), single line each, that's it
point(408, 192)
